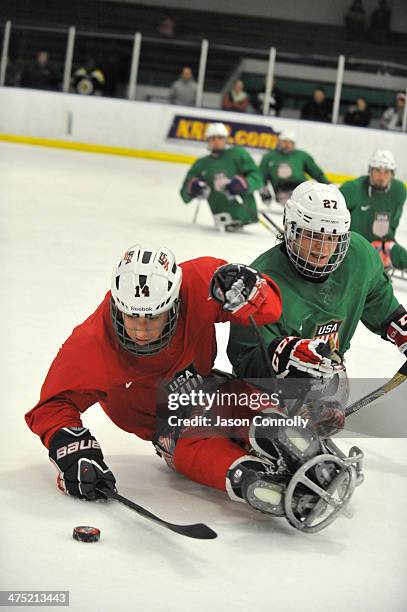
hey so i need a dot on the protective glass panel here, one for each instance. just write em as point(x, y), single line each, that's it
point(101, 65)
point(36, 58)
point(163, 71)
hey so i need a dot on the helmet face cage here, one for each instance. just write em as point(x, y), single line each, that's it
point(300, 243)
point(145, 284)
point(151, 348)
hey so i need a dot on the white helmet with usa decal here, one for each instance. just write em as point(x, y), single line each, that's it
point(145, 283)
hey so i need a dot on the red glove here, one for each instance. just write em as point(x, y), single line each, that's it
point(295, 357)
point(384, 248)
point(397, 330)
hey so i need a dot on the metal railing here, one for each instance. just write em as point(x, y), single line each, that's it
point(137, 40)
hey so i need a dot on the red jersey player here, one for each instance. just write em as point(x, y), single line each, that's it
point(155, 324)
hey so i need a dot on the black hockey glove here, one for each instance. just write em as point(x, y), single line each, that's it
point(236, 186)
point(234, 285)
point(297, 357)
point(197, 188)
point(79, 460)
point(397, 330)
point(266, 195)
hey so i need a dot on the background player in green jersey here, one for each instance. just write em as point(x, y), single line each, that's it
point(286, 167)
point(329, 279)
point(227, 178)
point(376, 203)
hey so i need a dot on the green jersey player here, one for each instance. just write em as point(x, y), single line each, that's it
point(376, 203)
point(227, 178)
point(329, 279)
point(286, 167)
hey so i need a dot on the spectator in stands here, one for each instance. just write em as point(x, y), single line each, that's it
point(166, 27)
point(88, 80)
point(358, 114)
point(183, 91)
point(355, 21)
point(40, 74)
point(276, 101)
point(236, 99)
point(380, 23)
point(318, 108)
point(392, 117)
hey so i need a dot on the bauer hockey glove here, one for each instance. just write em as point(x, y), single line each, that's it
point(235, 285)
point(79, 461)
point(236, 186)
point(397, 330)
point(197, 188)
point(296, 357)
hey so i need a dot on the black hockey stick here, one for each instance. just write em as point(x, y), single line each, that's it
point(267, 219)
point(267, 361)
point(399, 377)
point(262, 345)
point(198, 531)
point(261, 217)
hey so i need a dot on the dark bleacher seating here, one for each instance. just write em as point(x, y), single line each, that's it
point(161, 60)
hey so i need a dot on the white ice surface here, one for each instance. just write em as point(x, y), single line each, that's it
point(66, 217)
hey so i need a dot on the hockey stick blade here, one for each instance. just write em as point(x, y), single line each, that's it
point(199, 531)
point(399, 377)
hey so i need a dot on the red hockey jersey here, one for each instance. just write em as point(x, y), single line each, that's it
point(92, 367)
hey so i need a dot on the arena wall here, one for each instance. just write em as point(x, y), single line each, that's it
point(174, 133)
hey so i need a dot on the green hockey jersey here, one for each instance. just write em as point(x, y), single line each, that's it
point(376, 214)
point(287, 170)
point(358, 290)
point(217, 171)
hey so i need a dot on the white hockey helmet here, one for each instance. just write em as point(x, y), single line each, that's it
point(382, 158)
point(216, 129)
point(316, 228)
point(287, 135)
point(145, 283)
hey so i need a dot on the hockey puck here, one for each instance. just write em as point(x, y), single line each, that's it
point(86, 534)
